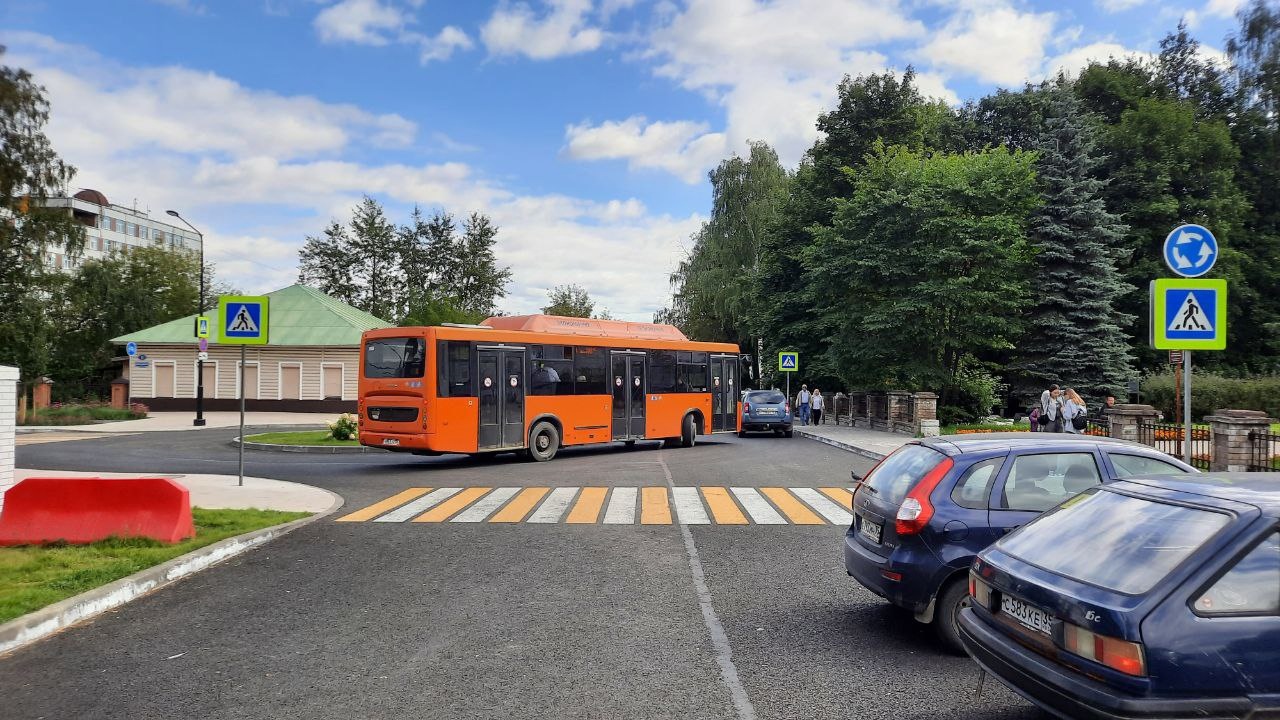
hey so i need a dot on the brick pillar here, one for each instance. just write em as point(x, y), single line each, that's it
point(1126, 418)
point(43, 394)
point(8, 425)
point(899, 412)
point(927, 414)
point(1232, 448)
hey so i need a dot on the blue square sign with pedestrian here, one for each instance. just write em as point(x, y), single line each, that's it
point(242, 320)
point(1189, 314)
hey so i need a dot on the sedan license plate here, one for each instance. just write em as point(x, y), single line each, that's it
point(390, 441)
point(1029, 616)
point(870, 530)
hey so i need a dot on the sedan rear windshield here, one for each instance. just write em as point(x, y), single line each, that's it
point(775, 398)
point(1142, 540)
point(395, 358)
point(894, 478)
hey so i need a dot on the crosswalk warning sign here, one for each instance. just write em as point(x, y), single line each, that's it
point(242, 320)
point(788, 361)
point(1189, 314)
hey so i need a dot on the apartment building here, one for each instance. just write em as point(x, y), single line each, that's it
point(110, 228)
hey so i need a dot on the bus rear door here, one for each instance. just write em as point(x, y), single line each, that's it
point(628, 395)
point(501, 371)
point(724, 393)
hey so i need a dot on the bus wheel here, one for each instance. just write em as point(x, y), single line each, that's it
point(688, 432)
point(544, 441)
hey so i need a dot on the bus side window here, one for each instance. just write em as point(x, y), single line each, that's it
point(453, 369)
point(590, 370)
point(662, 371)
point(692, 372)
point(551, 372)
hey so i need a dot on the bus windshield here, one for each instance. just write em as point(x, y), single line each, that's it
point(395, 358)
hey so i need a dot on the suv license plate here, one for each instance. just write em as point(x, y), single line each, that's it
point(390, 441)
point(870, 530)
point(1029, 616)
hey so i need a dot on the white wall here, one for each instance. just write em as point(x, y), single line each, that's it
point(8, 425)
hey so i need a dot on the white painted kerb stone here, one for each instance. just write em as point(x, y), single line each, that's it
point(8, 425)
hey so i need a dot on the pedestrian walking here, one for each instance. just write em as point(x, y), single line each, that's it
point(1051, 410)
point(1074, 412)
point(802, 404)
point(818, 404)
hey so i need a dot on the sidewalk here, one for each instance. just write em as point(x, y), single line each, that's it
point(222, 492)
point(164, 421)
point(871, 444)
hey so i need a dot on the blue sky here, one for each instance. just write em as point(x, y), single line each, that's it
point(585, 128)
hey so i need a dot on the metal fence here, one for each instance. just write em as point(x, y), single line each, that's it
point(1266, 452)
point(1100, 427)
point(1169, 438)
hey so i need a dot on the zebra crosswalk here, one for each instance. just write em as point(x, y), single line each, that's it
point(619, 505)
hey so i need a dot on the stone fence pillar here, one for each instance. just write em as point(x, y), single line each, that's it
point(1125, 420)
point(1233, 450)
point(927, 414)
point(8, 425)
point(859, 410)
point(900, 417)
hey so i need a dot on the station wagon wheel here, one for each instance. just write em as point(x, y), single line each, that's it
point(946, 614)
point(544, 441)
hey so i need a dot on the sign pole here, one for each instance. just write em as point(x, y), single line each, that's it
point(1186, 406)
point(242, 415)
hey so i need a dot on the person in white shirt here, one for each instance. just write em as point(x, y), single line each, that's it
point(818, 403)
point(802, 404)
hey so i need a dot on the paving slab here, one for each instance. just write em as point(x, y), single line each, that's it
point(871, 444)
point(223, 492)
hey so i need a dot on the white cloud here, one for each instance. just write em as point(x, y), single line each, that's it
point(992, 42)
point(516, 29)
point(258, 172)
point(1074, 61)
point(684, 149)
point(364, 22)
point(1115, 6)
point(441, 46)
point(1223, 8)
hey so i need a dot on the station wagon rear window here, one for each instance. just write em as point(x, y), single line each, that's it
point(1142, 540)
point(899, 472)
point(771, 397)
point(395, 358)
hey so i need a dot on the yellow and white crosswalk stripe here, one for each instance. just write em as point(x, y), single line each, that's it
point(649, 505)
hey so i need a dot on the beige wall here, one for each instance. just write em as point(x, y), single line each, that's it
point(227, 359)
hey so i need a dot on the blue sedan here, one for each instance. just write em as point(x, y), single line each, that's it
point(1147, 597)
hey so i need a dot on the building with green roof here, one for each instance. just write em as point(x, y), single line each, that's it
point(309, 365)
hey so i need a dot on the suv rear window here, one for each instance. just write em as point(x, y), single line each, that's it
point(766, 397)
point(1142, 540)
point(894, 478)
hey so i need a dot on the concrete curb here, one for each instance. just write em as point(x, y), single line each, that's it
point(46, 621)
point(313, 449)
point(869, 454)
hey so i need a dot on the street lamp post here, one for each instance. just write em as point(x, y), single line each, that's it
point(199, 421)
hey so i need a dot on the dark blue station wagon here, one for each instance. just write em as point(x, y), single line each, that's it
point(922, 515)
point(1145, 598)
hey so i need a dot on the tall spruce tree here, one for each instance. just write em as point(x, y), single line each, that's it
point(1075, 336)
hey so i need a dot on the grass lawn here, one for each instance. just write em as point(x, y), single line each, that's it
point(307, 437)
point(32, 577)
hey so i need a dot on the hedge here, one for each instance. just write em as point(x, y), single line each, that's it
point(1215, 392)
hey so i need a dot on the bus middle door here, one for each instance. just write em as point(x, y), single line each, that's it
point(724, 393)
point(628, 395)
point(501, 390)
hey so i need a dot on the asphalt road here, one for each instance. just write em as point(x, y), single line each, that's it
point(483, 620)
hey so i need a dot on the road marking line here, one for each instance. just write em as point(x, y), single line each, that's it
point(446, 509)
point(417, 506)
point(622, 507)
point(834, 514)
point(761, 512)
point(515, 510)
point(655, 510)
point(840, 495)
point(378, 508)
point(689, 507)
point(486, 507)
point(723, 508)
point(792, 508)
point(587, 509)
point(554, 506)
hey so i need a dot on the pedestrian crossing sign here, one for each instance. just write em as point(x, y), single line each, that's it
point(242, 319)
point(788, 361)
point(1188, 314)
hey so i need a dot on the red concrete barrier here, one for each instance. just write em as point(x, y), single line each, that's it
point(84, 510)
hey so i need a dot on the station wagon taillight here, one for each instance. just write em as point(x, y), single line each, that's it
point(916, 510)
point(746, 408)
point(1117, 654)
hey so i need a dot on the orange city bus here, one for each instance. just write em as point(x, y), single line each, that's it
point(537, 383)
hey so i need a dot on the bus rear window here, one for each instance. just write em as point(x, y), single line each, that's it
point(395, 358)
point(1142, 540)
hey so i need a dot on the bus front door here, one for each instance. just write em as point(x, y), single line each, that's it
point(501, 391)
point(724, 393)
point(628, 395)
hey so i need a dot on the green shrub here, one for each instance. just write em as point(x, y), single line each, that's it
point(952, 415)
point(344, 428)
point(1214, 392)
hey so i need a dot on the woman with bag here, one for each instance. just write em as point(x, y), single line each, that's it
point(1075, 415)
point(1051, 410)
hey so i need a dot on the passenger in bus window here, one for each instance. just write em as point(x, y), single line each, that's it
point(544, 379)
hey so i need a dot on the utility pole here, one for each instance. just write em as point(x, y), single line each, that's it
point(199, 421)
